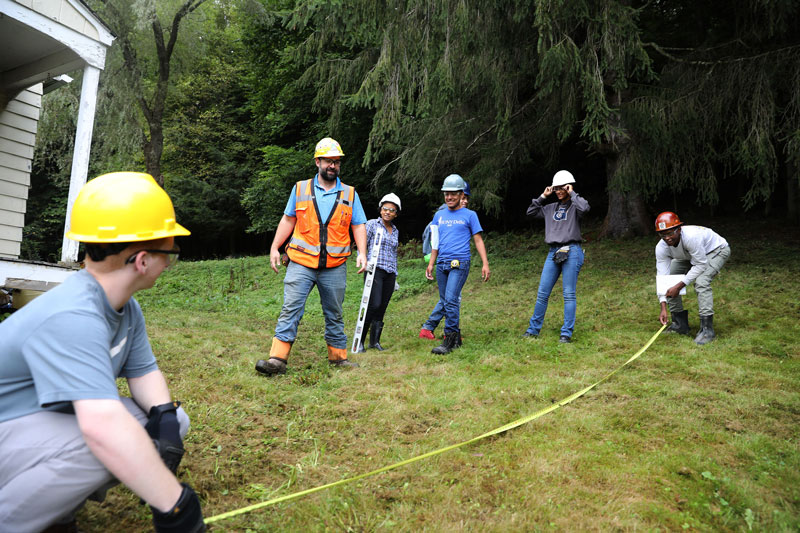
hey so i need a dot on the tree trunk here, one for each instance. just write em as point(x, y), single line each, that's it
point(153, 108)
point(792, 192)
point(153, 148)
point(626, 215)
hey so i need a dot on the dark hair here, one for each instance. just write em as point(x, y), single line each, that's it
point(99, 251)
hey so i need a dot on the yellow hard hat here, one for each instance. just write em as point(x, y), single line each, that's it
point(328, 147)
point(123, 207)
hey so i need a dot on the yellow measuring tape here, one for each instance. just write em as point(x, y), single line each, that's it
point(501, 429)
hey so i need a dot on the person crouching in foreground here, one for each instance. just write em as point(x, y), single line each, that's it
point(65, 432)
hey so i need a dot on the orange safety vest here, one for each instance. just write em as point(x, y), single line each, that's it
point(318, 244)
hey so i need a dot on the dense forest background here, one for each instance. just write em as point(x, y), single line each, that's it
point(652, 105)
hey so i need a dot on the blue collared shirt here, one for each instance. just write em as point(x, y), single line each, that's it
point(325, 202)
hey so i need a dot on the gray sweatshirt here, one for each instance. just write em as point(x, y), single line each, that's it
point(560, 220)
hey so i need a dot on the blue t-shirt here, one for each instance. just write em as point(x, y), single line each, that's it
point(69, 344)
point(325, 201)
point(455, 230)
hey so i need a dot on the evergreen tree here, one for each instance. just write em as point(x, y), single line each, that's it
point(486, 89)
point(209, 155)
point(725, 114)
point(449, 87)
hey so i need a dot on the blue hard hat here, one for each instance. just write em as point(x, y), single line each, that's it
point(453, 182)
point(466, 189)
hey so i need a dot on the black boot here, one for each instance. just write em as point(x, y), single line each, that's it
point(450, 342)
point(706, 333)
point(680, 323)
point(375, 336)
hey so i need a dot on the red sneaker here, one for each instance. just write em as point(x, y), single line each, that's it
point(426, 334)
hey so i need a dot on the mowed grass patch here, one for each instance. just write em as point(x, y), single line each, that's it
point(686, 437)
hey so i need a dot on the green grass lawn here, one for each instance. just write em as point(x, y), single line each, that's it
point(686, 437)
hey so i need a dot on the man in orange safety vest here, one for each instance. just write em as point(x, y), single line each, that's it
point(317, 221)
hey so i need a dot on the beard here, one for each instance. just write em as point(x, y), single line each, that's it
point(329, 175)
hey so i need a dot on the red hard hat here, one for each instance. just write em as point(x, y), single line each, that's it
point(667, 220)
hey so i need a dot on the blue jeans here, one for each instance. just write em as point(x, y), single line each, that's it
point(331, 284)
point(568, 270)
point(436, 316)
point(451, 281)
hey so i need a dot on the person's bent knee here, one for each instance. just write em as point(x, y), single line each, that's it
point(702, 285)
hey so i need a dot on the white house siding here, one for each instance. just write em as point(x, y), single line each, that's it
point(63, 12)
point(18, 123)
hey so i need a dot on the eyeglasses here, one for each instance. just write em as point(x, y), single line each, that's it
point(172, 256)
point(389, 209)
point(334, 162)
point(559, 188)
point(668, 233)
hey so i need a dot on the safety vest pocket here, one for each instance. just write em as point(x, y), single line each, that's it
point(344, 217)
point(303, 225)
point(338, 251)
point(300, 248)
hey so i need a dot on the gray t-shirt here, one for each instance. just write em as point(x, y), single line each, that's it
point(560, 220)
point(69, 344)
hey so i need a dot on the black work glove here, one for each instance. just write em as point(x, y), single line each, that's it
point(185, 517)
point(561, 255)
point(162, 426)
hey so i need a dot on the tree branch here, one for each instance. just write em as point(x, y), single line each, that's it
point(663, 51)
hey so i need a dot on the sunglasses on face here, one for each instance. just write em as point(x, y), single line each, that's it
point(172, 256)
point(559, 188)
point(333, 162)
point(389, 209)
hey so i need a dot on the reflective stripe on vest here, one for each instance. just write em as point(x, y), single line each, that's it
point(318, 244)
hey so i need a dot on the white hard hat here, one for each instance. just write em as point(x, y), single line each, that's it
point(562, 177)
point(328, 147)
point(391, 197)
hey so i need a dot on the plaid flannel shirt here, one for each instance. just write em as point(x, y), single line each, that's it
point(387, 257)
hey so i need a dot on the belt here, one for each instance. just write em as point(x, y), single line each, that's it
point(559, 244)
